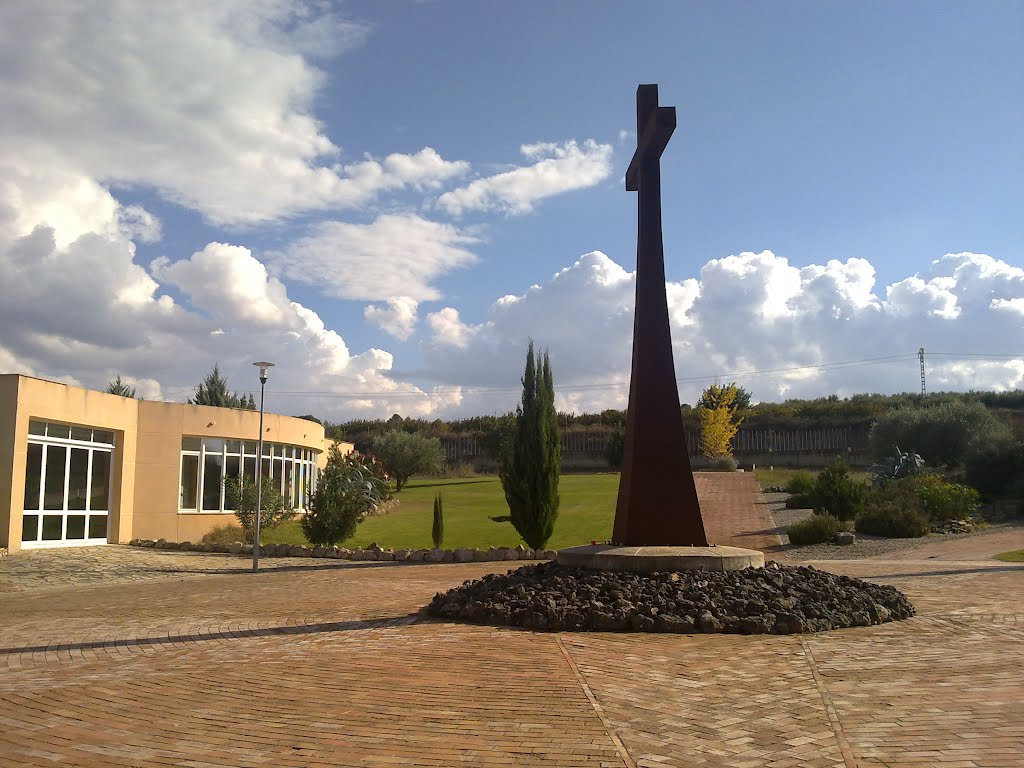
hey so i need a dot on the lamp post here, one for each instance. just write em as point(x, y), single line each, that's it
point(264, 367)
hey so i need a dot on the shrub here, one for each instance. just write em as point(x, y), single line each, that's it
point(346, 490)
point(816, 529)
point(616, 448)
point(724, 464)
point(950, 432)
point(224, 534)
point(893, 521)
point(998, 470)
point(838, 494)
point(241, 495)
point(942, 500)
point(800, 501)
point(801, 482)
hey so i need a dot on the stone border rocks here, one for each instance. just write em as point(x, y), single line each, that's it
point(371, 553)
point(774, 599)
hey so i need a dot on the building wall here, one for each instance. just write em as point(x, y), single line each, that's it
point(161, 426)
point(146, 457)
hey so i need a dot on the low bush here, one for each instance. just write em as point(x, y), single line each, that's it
point(892, 521)
point(801, 482)
point(816, 529)
point(800, 501)
point(942, 500)
point(241, 496)
point(346, 490)
point(838, 494)
point(723, 464)
point(224, 534)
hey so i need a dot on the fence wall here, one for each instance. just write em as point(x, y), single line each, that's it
point(761, 446)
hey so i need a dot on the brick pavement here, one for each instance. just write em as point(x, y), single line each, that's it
point(328, 663)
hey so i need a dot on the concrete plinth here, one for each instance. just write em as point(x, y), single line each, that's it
point(609, 557)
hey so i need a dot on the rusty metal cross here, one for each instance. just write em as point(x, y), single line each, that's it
point(657, 503)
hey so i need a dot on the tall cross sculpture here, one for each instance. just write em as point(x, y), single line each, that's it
point(657, 502)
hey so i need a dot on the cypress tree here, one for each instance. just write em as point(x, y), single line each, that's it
point(530, 468)
point(437, 532)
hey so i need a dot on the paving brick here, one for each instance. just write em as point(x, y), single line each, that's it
point(119, 657)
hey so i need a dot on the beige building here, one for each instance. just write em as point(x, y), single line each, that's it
point(82, 467)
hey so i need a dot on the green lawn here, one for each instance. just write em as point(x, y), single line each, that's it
point(1013, 556)
point(586, 514)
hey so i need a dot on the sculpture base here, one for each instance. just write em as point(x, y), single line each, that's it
point(610, 557)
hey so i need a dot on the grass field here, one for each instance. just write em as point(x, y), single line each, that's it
point(586, 514)
point(1013, 556)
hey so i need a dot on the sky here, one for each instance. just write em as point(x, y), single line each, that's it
point(388, 200)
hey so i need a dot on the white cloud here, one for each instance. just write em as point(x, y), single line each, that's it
point(398, 318)
point(753, 312)
point(557, 168)
point(395, 255)
point(208, 103)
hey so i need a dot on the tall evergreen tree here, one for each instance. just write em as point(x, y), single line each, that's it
point(118, 387)
point(213, 390)
point(530, 467)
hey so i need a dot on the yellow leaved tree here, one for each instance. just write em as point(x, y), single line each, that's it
point(719, 422)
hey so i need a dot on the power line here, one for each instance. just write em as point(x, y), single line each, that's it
point(599, 386)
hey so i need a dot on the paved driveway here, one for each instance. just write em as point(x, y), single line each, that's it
point(327, 663)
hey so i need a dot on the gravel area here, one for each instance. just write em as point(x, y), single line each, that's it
point(865, 545)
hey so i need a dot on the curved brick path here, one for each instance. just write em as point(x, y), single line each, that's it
point(316, 663)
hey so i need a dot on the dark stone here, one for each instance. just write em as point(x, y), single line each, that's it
point(779, 600)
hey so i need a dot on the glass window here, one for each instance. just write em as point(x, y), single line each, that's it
point(33, 473)
point(97, 526)
point(234, 446)
point(289, 486)
point(213, 476)
point(99, 499)
point(268, 449)
point(250, 468)
point(250, 448)
point(78, 479)
point(53, 495)
point(232, 466)
point(59, 430)
point(265, 468)
point(76, 527)
point(213, 444)
point(36, 427)
point(100, 436)
point(191, 443)
point(189, 482)
point(82, 433)
point(30, 528)
point(52, 527)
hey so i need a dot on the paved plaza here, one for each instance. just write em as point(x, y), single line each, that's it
point(120, 657)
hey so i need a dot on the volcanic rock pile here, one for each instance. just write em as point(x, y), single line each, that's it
point(774, 599)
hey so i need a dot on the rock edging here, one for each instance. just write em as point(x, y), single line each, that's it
point(371, 553)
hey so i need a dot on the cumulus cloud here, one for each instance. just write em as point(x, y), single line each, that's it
point(775, 327)
point(557, 168)
point(396, 254)
point(398, 318)
point(210, 104)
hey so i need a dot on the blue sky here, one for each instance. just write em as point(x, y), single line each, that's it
point(353, 187)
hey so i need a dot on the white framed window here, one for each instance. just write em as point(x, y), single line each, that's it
point(207, 461)
point(68, 472)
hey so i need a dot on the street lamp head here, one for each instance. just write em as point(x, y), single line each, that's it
point(263, 366)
